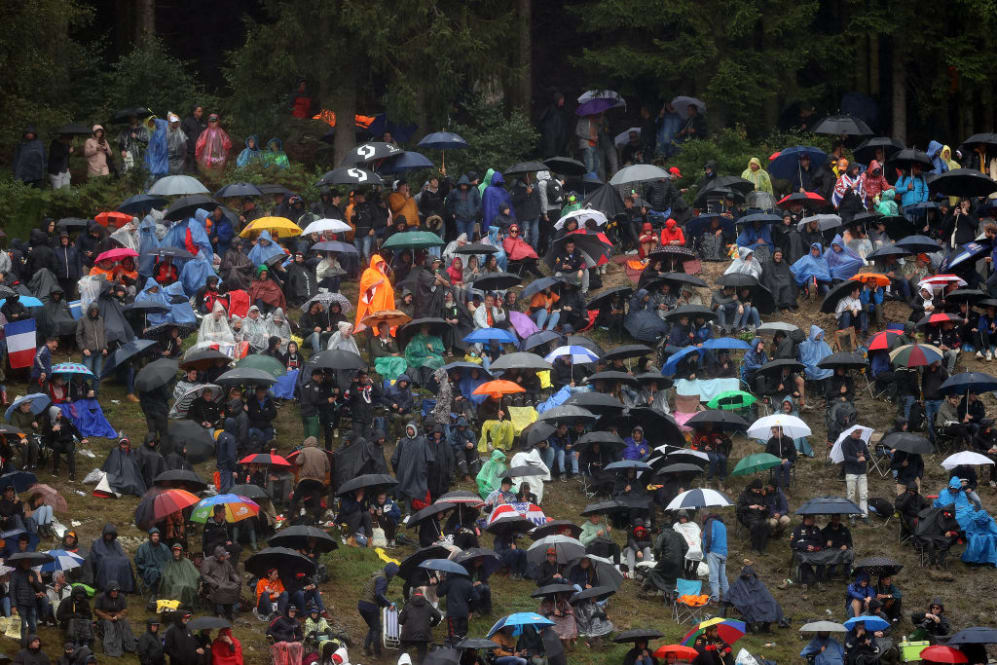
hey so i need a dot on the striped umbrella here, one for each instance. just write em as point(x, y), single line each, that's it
point(915, 355)
point(71, 368)
point(883, 341)
point(264, 458)
point(939, 282)
point(730, 630)
point(937, 319)
point(159, 503)
point(182, 405)
point(62, 560)
point(699, 499)
point(578, 355)
point(237, 508)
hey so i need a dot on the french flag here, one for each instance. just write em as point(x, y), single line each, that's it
point(20, 342)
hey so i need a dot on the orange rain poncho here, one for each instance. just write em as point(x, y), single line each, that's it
point(376, 292)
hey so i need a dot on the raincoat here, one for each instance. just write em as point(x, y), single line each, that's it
point(873, 185)
point(277, 326)
point(750, 235)
point(754, 359)
point(934, 151)
point(760, 178)
point(811, 351)
point(425, 351)
point(343, 339)
point(274, 155)
point(825, 651)
point(266, 290)
point(742, 265)
point(489, 478)
point(809, 267)
point(981, 539)
point(410, 462)
point(176, 149)
point(157, 153)
point(264, 249)
point(249, 154)
point(215, 329)
point(492, 200)
point(536, 482)
point(376, 292)
point(842, 264)
point(211, 149)
point(254, 331)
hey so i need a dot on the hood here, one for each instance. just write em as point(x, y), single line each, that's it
point(93, 130)
point(873, 165)
point(390, 570)
point(946, 153)
point(463, 180)
point(109, 529)
point(934, 147)
point(498, 456)
point(93, 306)
point(265, 235)
point(954, 483)
point(755, 342)
point(275, 145)
point(412, 425)
point(934, 601)
point(754, 160)
point(252, 137)
point(202, 215)
point(153, 530)
point(670, 223)
point(543, 175)
point(745, 252)
point(231, 426)
point(712, 166)
point(837, 240)
point(497, 179)
point(418, 600)
point(403, 377)
point(816, 333)
point(820, 248)
point(748, 573)
point(310, 442)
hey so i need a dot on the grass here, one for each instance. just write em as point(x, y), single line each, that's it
point(969, 592)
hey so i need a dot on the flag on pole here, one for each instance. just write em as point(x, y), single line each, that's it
point(20, 342)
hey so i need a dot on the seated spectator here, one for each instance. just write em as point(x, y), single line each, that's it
point(113, 628)
point(150, 559)
point(109, 563)
point(180, 578)
point(285, 628)
point(271, 597)
point(752, 512)
point(837, 536)
point(76, 618)
point(849, 312)
point(221, 582)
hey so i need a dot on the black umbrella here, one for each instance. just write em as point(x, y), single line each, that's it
point(556, 528)
point(613, 375)
point(919, 243)
point(604, 507)
point(73, 223)
point(566, 166)
point(596, 402)
point(510, 524)
point(588, 244)
point(889, 250)
point(185, 207)
point(525, 471)
point(538, 285)
point(842, 125)
point(126, 352)
point(610, 439)
point(349, 175)
point(691, 311)
point(965, 295)
point(866, 151)
point(973, 635)
point(679, 467)
point(595, 594)
point(140, 112)
point(606, 199)
point(338, 359)
point(655, 377)
point(606, 296)
point(537, 432)
point(638, 634)
point(371, 151)
point(907, 158)
point(496, 281)
point(677, 280)
point(966, 183)
point(552, 589)
point(429, 511)
point(288, 562)
point(525, 167)
point(520, 360)
point(174, 252)
point(908, 442)
point(367, 480)
point(838, 292)
point(436, 327)
point(477, 643)
point(897, 226)
point(239, 189)
point(490, 561)
point(183, 479)
point(626, 351)
point(567, 414)
point(737, 279)
point(202, 359)
point(208, 623)
point(778, 365)
point(542, 337)
point(196, 439)
point(411, 563)
point(155, 374)
point(239, 376)
point(476, 248)
point(302, 537)
point(36, 558)
point(719, 419)
point(846, 359)
point(272, 189)
point(147, 306)
point(878, 565)
point(829, 505)
point(461, 498)
point(587, 342)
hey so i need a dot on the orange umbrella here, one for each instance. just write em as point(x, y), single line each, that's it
point(680, 652)
point(119, 219)
point(495, 389)
point(871, 278)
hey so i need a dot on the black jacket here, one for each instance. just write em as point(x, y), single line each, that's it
point(460, 594)
point(150, 649)
point(285, 629)
point(417, 620)
point(527, 206)
point(181, 645)
point(261, 414)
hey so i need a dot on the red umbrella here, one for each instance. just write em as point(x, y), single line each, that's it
point(117, 254)
point(50, 496)
point(938, 318)
point(883, 341)
point(262, 458)
point(171, 501)
point(806, 198)
point(118, 219)
point(943, 654)
point(680, 652)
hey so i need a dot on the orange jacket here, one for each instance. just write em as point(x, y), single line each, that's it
point(672, 232)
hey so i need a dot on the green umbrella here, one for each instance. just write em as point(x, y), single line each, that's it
point(413, 240)
point(268, 364)
point(732, 400)
point(755, 463)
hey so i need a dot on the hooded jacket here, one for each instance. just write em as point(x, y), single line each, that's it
point(313, 463)
point(812, 350)
point(672, 232)
point(411, 461)
point(493, 199)
point(227, 445)
point(464, 205)
point(29, 158)
point(760, 178)
point(97, 154)
point(417, 619)
point(809, 267)
point(873, 183)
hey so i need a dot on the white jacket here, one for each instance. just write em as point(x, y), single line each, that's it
point(691, 532)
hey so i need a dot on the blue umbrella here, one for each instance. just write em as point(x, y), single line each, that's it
point(671, 365)
point(968, 252)
point(787, 164)
point(39, 401)
point(520, 619)
point(727, 343)
point(872, 623)
point(27, 301)
point(407, 161)
point(485, 335)
point(623, 465)
point(442, 141)
point(578, 355)
point(142, 203)
point(21, 480)
point(62, 560)
point(967, 382)
point(444, 566)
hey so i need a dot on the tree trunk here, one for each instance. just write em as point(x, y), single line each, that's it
point(874, 66)
point(345, 107)
point(987, 104)
point(524, 82)
point(899, 85)
point(145, 24)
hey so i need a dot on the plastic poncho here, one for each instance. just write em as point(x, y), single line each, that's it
point(809, 267)
point(467, 384)
point(742, 265)
point(157, 154)
point(189, 234)
point(148, 241)
point(754, 359)
point(180, 310)
point(215, 328)
point(825, 651)
point(981, 539)
point(274, 155)
point(212, 149)
point(492, 200)
point(376, 293)
point(955, 497)
point(487, 180)
point(934, 151)
point(179, 581)
point(760, 178)
point(500, 256)
point(277, 326)
point(88, 417)
point(249, 154)
point(425, 351)
point(812, 350)
point(749, 236)
point(343, 339)
point(489, 478)
point(536, 482)
point(843, 264)
point(264, 249)
point(254, 331)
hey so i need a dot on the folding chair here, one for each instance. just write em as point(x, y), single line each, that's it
point(689, 601)
point(880, 457)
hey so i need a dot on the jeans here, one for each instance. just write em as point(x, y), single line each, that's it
point(573, 275)
point(590, 156)
point(225, 480)
point(531, 231)
point(908, 402)
point(266, 607)
point(860, 483)
point(363, 244)
point(749, 317)
point(315, 341)
point(782, 474)
point(465, 227)
point(29, 619)
point(717, 467)
point(264, 435)
point(546, 320)
point(547, 455)
point(726, 315)
point(511, 660)
point(300, 597)
point(95, 363)
point(931, 407)
point(848, 320)
point(572, 458)
point(718, 575)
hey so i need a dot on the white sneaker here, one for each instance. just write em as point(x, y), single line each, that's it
point(979, 355)
point(990, 355)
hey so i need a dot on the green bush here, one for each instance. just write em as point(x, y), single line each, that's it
point(495, 140)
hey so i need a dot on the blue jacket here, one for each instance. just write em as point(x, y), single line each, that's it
point(917, 195)
point(493, 199)
point(935, 152)
point(43, 362)
point(465, 206)
point(858, 592)
point(832, 653)
point(872, 296)
point(395, 394)
point(221, 235)
point(636, 451)
point(68, 262)
point(715, 536)
point(227, 446)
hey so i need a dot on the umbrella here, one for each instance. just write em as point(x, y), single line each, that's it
point(626, 465)
point(496, 389)
point(198, 441)
point(732, 400)
point(442, 141)
point(568, 414)
point(828, 505)
point(181, 478)
point(202, 359)
point(387, 317)
point(567, 548)
point(338, 359)
point(964, 458)
point(835, 295)
point(966, 183)
point(974, 635)
point(917, 244)
point(238, 189)
point(412, 561)
point(873, 279)
point(786, 163)
point(538, 285)
point(208, 623)
point(490, 561)
point(174, 252)
point(552, 589)
point(842, 125)
point(969, 382)
point(35, 558)
point(889, 250)
point(791, 426)
point(406, 161)
point(476, 644)
point(288, 562)
point(265, 458)
point(444, 566)
point(159, 503)
point(509, 523)
point(878, 565)
point(755, 463)
point(186, 206)
point(805, 199)
point(116, 254)
point(370, 152)
point(939, 282)
point(692, 311)
point(915, 355)
point(272, 189)
point(147, 307)
point(366, 481)
point(865, 152)
point(429, 511)
point(638, 634)
point(327, 226)
point(123, 115)
point(73, 224)
point(155, 374)
point(476, 248)
point(141, 204)
point(638, 173)
point(699, 498)
point(606, 296)
point(872, 623)
point(525, 167)
point(436, 327)
point(177, 185)
point(719, 419)
point(334, 246)
point(181, 407)
point(593, 102)
point(883, 341)
point(62, 560)
point(627, 351)
point(682, 103)
point(576, 355)
point(279, 227)
point(267, 364)
point(50, 496)
point(730, 630)
point(566, 166)
point(596, 402)
point(908, 442)
point(582, 215)
point(237, 508)
point(677, 651)
point(726, 344)
point(487, 335)
point(71, 368)
point(350, 175)
point(602, 438)
point(970, 296)
point(779, 365)
point(245, 376)
point(520, 360)
point(414, 240)
point(678, 467)
point(823, 627)
point(518, 620)
point(613, 375)
point(21, 480)
point(824, 222)
point(462, 497)
point(556, 527)
point(496, 281)
point(848, 360)
point(938, 653)
point(737, 279)
point(325, 298)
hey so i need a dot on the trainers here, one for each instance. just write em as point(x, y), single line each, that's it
point(990, 355)
point(979, 355)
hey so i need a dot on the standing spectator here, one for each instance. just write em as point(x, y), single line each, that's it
point(58, 161)
point(461, 595)
point(526, 203)
point(132, 142)
point(181, 645)
point(403, 205)
point(192, 127)
point(69, 265)
point(856, 454)
point(97, 150)
point(555, 128)
point(226, 449)
point(176, 144)
point(373, 599)
point(29, 158)
point(301, 101)
point(417, 620)
point(27, 595)
point(212, 147)
point(492, 200)
point(715, 549)
point(464, 203)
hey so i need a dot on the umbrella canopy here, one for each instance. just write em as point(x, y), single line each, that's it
point(20, 480)
point(883, 340)
point(410, 563)
point(626, 351)
point(612, 376)
point(865, 152)
point(186, 206)
point(518, 620)
point(556, 527)
point(159, 503)
point(552, 589)
point(907, 158)
point(846, 359)
point(828, 505)
point(596, 402)
point(462, 497)
point(718, 419)
point(429, 511)
point(406, 161)
point(567, 549)
point(350, 175)
point(177, 185)
point(62, 560)
point(842, 125)
point(476, 644)
point(566, 166)
point(208, 623)
point(238, 189)
point(442, 141)
point(582, 215)
point(414, 240)
point(786, 163)
point(638, 173)
point(269, 459)
point(496, 389)
point(490, 561)
point(267, 364)
point(35, 558)
point(915, 355)
point(682, 103)
point(476, 248)
point(538, 285)
point(576, 355)
point(496, 281)
point(279, 227)
point(730, 630)
point(966, 183)
point(699, 498)
point(568, 414)
point(520, 360)
point(732, 400)
point(367, 481)
point(522, 168)
point(237, 508)
point(387, 317)
point(338, 359)
point(938, 653)
point(805, 199)
point(779, 365)
point(245, 376)
point(288, 562)
point(917, 244)
point(974, 635)
point(435, 325)
point(824, 222)
point(676, 651)
point(878, 565)
point(73, 368)
point(182, 478)
point(872, 623)
point(823, 627)
point(791, 426)
point(155, 374)
point(755, 463)
point(116, 254)
point(969, 382)
point(325, 225)
point(444, 566)
point(202, 359)
point(125, 352)
point(78, 224)
point(964, 458)
point(638, 634)
point(487, 335)
point(370, 152)
point(908, 442)
point(196, 439)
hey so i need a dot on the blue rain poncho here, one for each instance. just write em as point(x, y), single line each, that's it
point(812, 350)
point(148, 241)
point(981, 539)
point(754, 359)
point(249, 154)
point(265, 248)
point(177, 236)
point(195, 274)
point(750, 235)
point(844, 263)
point(809, 267)
point(157, 157)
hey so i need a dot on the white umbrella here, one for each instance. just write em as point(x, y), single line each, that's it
point(582, 214)
point(182, 405)
point(578, 355)
point(623, 138)
point(327, 298)
point(823, 627)
point(177, 185)
point(682, 103)
point(791, 426)
point(323, 225)
point(824, 222)
point(589, 95)
point(638, 173)
point(965, 458)
point(836, 455)
point(699, 498)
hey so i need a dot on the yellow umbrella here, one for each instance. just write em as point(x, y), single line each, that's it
point(279, 227)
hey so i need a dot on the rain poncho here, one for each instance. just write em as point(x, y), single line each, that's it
point(842, 264)
point(249, 154)
point(492, 199)
point(211, 149)
point(812, 350)
point(148, 241)
point(411, 461)
point(752, 599)
point(254, 330)
point(500, 256)
point(343, 339)
point(176, 149)
point(467, 385)
point(116, 326)
point(215, 329)
point(180, 310)
point(264, 249)
point(425, 351)
point(753, 359)
point(157, 153)
point(123, 474)
point(376, 293)
point(825, 651)
point(274, 155)
point(981, 539)
point(536, 483)
point(809, 267)
point(934, 151)
point(750, 236)
point(760, 178)
point(88, 417)
point(189, 234)
point(490, 477)
point(745, 264)
point(179, 581)
point(955, 497)
point(277, 326)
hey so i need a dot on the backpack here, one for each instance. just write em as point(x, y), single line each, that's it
point(554, 193)
point(915, 423)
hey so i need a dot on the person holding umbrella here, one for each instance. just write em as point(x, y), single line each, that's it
point(823, 650)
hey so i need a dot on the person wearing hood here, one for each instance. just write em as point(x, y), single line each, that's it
point(757, 235)
point(176, 144)
point(525, 200)
point(848, 196)
point(149, 460)
point(758, 176)
point(97, 151)
point(403, 204)
point(417, 620)
point(212, 147)
point(745, 264)
point(76, 617)
point(672, 235)
point(373, 599)
point(60, 436)
point(752, 512)
point(26, 592)
point(874, 182)
point(149, 647)
point(301, 284)
point(265, 292)
point(464, 203)
point(115, 632)
point(226, 649)
point(32, 653)
point(492, 200)
point(68, 264)
point(754, 602)
point(932, 625)
point(812, 271)
point(274, 155)
point(265, 249)
point(777, 277)
point(236, 269)
point(179, 578)
point(150, 559)
point(410, 462)
point(555, 128)
point(811, 351)
point(823, 650)
point(29, 159)
point(637, 447)
point(314, 467)
point(222, 582)
point(181, 645)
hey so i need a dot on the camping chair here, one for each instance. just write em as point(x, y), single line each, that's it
point(880, 458)
point(689, 601)
point(848, 335)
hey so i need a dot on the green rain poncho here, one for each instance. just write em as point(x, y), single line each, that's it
point(425, 351)
point(179, 582)
point(490, 476)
